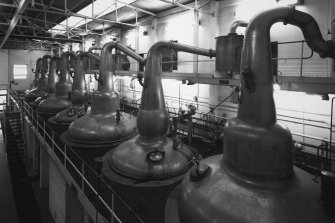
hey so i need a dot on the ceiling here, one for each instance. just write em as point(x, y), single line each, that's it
point(28, 22)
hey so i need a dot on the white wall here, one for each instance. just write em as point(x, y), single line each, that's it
point(23, 57)
point(4, 69)
point(179, 26)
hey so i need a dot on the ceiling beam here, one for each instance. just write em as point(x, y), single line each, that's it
point(30, 27)
point(177, 4)
point(64, 40)
point(8, 5)
point(137, 8)
point(19, 10)
point(84, 17)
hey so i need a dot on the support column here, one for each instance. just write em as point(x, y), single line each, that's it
point(44, 168)
point(26, 131)
point(30, 144)
point(332, 21)
point(36, 154)
point(63, 204)
point(214, 97)
point(87, 218)
point(196, 38)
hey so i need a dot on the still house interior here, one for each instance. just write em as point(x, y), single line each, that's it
point(167, 111)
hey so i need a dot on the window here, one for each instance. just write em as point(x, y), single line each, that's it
point(20, 71)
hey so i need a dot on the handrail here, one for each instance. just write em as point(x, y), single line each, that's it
point(40, 125)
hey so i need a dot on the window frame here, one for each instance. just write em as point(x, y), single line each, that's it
point(20, 76)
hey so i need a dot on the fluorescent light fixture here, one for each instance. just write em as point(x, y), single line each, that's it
point(99, 7)
point(289, 2)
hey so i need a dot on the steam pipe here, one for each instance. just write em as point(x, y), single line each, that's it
point(152, 118)
point(236, 24)
point(256, 105)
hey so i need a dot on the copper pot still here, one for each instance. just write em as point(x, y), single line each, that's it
point(51, 106)
point(54, 67)
point(254, 180)
point(105, 126)
point(40, 90)
point(152, 156)
point(78, 96)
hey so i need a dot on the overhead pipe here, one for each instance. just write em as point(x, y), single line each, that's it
point(51, 106)
point(151, 155)
point(255, 180)
point(78, 95)
point(105, 125)
point(40, 90)
point(236, 24)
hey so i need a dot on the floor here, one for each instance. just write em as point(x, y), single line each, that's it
point(8, 212)
point(21, 199)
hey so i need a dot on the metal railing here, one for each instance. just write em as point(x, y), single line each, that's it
point(95, 186)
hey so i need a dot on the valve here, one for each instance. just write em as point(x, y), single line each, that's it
point(140, 78)
point(199, 170)
point(156, 156)
point(98, 78)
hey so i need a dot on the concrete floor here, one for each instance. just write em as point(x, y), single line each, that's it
point(14, 199)
point(8, 211)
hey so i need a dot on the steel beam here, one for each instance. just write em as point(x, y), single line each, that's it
point(137, 8)
point(177, 4)
point(8, 5)
point(82, 16)
point(17, 15)
point(47, 38)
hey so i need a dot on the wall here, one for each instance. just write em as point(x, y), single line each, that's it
point(177, 25)
point(11, 57)
point(4, 69)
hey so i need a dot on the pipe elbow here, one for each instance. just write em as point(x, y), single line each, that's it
point(312, 33)
point(236, 24)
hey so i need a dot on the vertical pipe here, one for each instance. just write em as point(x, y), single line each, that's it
point(67, 19)
point(301, 58)
point(331, 134)
point(196, 37)
point(116, 20)
point(137, 44)
point(92, 8)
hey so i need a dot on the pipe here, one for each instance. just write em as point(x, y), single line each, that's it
point(94, 48)
point(152, 118)
point(236, 24)
point(256, 105)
